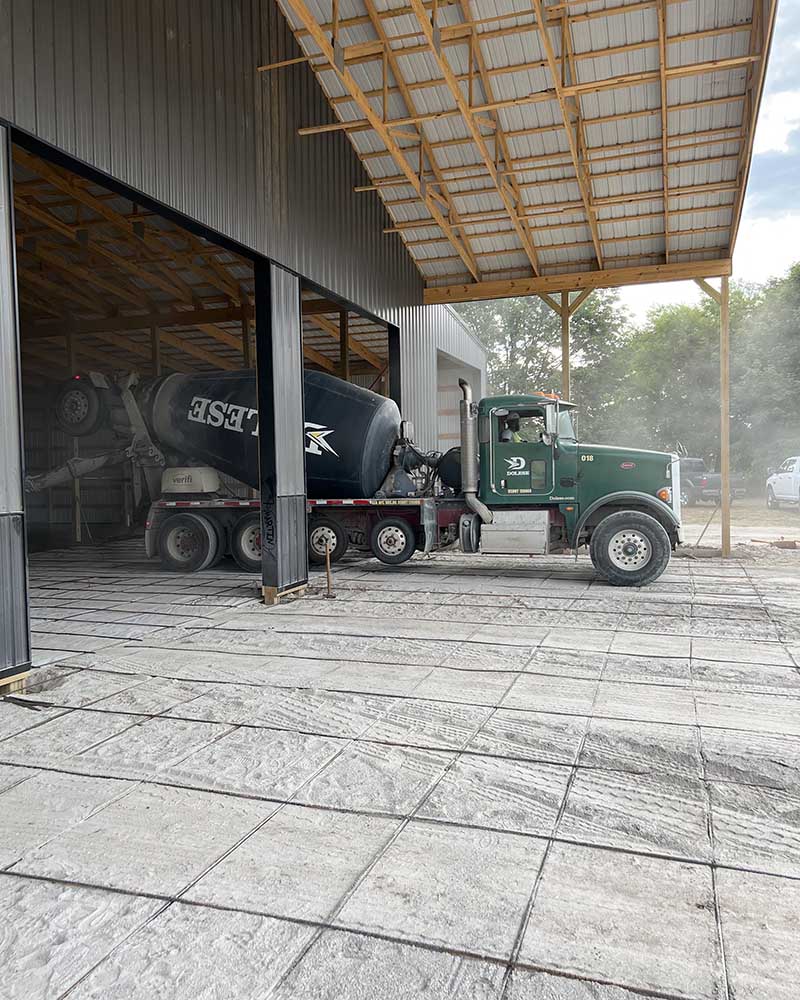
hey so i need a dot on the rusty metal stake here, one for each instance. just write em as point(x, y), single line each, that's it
point(330, 594)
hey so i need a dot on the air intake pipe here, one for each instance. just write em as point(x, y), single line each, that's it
point(469, 454)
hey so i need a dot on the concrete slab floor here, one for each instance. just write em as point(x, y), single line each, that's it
point(463, 779)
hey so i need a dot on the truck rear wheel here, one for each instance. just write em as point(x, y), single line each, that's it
point(392, 540)
point(630, 549)
point(187, 543)
point(325, 533)
point(246, 543)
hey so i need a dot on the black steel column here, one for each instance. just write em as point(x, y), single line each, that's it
point(279, 367)
point(395, 369)
point(15, 656)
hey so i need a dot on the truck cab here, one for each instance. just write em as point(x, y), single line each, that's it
point(539, 490)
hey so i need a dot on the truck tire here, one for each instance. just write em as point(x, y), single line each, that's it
point(630, 549)
point(772, 500)
point(324, 532)
point(79, 410)
point(246, 543)
point(392, 540)
point(187, 543)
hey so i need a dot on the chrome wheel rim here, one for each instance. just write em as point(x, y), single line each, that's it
point(322, 539)
point(391, 540)
point(629, 550)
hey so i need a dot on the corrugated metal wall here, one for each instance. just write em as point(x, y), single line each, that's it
point(165, 96)
point(14, 648)
point(427, 332)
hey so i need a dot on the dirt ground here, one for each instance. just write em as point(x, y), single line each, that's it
point(750, 520)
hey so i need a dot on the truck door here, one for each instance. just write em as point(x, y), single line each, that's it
point(522, 464)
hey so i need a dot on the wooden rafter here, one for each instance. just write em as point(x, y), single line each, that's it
point(570, 111)
point(662, 62)
point(405, 92)
point(383, 131)
point(508, 196)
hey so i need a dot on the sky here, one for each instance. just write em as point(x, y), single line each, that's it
point(769, 236)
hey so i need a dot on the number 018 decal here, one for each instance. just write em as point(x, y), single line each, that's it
point(587, 458)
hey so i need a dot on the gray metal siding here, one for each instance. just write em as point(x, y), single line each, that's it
point(288, 382)
point(14, 647)
point(166, 97)
point(426, 332)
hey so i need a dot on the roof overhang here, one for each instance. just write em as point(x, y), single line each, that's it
point(526, 146)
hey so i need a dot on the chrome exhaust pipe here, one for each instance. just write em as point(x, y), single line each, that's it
point(469, 453)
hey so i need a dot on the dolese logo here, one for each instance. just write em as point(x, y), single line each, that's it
point(627, 465)
point(317, 435)
point(241, 419)
point(516, 463)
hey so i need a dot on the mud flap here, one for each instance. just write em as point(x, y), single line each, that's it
point(430, 524)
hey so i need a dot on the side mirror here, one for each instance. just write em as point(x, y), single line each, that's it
point(771, 472)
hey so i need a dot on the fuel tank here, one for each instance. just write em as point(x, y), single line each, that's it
point(212, 419)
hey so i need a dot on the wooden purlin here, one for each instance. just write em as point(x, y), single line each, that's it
point(649, 43)
point(662, 64)
point(382, 130)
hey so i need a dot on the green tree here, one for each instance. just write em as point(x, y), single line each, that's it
point(522, 338)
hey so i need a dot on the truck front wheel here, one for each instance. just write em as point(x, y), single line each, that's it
point(187, 543)
point(630, 549)
point(392, 540)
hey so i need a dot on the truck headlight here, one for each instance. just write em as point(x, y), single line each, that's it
point(665, 494)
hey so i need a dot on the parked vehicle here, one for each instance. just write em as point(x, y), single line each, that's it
point(520, 483)
point(698, 485)
point(783, 484)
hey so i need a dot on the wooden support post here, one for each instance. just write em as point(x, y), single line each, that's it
point(77, 533)
point(725, 415)
point(565, 373)
point(155, 350)
point(344, 345)
point(247, 344)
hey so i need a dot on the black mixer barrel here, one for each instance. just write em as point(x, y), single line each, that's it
point(212, 419)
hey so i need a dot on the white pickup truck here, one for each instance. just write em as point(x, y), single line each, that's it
point(783, 484)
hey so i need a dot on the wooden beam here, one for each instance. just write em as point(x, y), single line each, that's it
point(390, 62)
point(725, 414)
point(155, 349)
point(347, 79)
point(510, 201)
point(571, 115)
point(319, 359)
point(662, 63)
point(709, 289)
point(615, 277)
point(565, 358)
point(332, 330)
point(141, 321)
point(344, 345)
point(578, 301)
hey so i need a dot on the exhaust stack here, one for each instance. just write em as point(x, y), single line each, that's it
point(469, 454)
